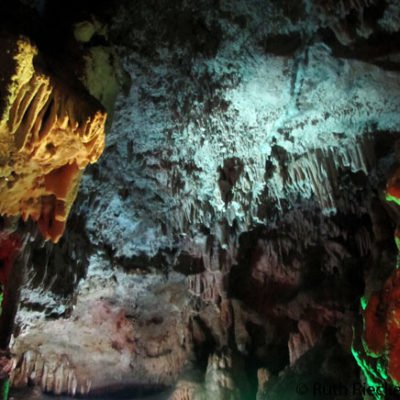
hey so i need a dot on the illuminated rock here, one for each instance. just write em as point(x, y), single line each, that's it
point(376, 344)
point(49, 132)
point(69, 355)
point(186, 390)
point(393, 188)
point(263, 377)
point(380, 354)
point(260, 166)
point(302, 341)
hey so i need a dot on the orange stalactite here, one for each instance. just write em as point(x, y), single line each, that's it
point(60, 180)
point(50, 130)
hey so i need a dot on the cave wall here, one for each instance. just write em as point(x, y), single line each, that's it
point(239, 202)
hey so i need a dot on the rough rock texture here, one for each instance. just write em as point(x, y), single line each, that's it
point(49, 132)
point(297, 123)
point(246, 167)
point(376, 344)
point(120, 336)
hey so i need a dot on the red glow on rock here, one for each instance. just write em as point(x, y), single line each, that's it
point(393, 344)
point(382, 325)
point(375, 326)
point(393, 191)
point(10, 245)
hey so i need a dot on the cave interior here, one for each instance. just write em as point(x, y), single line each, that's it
point(200, 199)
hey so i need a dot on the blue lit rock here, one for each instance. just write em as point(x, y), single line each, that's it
point(294, 121)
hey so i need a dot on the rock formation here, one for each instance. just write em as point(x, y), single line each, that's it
point(376, 346)
point(49, 132)
point(221, 247)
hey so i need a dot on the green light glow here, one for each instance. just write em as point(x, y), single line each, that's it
point(389, 197)
point(5, 389)
point(381, 367)
point(368, 373)
point(363, 302)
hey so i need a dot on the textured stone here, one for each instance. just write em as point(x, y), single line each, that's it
point(380, 355)
point(250, 156)
point(108, 342)
point(301, 342)
point(49, 132)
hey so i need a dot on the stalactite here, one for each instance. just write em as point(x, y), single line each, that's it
point(49, 132)
point(57, 376)
point(333, 14)
point(301, 341)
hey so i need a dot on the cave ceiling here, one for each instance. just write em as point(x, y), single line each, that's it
point(199, 199)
